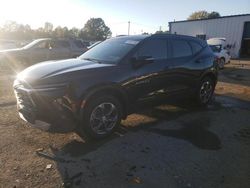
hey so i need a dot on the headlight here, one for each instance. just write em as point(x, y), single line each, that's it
point(52, 91)
point(50, 87)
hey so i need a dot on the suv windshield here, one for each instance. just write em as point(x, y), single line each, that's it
point(110, 51)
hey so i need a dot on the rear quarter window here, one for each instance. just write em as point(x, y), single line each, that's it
point(195, 47)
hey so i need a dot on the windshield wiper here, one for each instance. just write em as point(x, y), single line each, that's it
point(93, 60)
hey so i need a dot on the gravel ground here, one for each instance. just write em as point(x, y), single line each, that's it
point(170, 145)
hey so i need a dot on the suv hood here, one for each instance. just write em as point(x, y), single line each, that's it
point(53, 68)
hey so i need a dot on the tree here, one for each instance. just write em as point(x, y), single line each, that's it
point(95, 29)
point(198, 15)
point(214, 15)
point(10, 26)
point(65, 32)
point(74, 32)
point(203, 15)
point(58, 32)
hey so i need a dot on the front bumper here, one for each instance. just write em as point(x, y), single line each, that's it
point(42, 125)
point(42, 113)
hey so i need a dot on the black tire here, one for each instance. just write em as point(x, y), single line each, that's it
point(86, 129)
point(204, 95)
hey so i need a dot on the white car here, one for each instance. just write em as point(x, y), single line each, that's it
point(218, 45)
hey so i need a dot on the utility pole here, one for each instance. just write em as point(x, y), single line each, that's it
point(128, 27)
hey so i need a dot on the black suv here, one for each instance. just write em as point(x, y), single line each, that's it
point(92, 93)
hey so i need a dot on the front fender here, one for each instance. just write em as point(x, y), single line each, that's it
point(110, 88)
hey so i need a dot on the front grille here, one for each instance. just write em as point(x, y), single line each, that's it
point(24, 100)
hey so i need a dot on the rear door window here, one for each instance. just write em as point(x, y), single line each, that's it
point(60, 44)
point(181, 48)
point(42, 45)
point(153, 48)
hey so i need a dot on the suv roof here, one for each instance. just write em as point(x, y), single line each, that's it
point(173, 36)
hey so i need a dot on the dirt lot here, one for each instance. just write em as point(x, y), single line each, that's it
point(171, 145)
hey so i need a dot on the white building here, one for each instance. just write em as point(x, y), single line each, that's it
point(235, 28)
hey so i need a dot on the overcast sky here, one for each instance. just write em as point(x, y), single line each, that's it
point(145, 15)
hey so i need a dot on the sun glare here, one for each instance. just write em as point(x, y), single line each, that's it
point(36, 13)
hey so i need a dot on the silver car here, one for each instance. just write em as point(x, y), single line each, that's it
point(43, 50)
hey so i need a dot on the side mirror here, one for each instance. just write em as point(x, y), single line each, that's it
point(141, 60)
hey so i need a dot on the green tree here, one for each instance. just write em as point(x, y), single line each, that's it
point(214, 15)
point(58, 32)
point(203, 15)
point(65, 32)
point(95, 29)
point(198, 15)
point(74, 32)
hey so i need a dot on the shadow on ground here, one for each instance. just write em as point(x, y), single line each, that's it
point(75, 159)
point(234, 75)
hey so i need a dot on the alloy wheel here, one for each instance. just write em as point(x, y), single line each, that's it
point(103, 118)
point(206, 91)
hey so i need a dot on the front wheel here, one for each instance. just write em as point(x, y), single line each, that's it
point(101, 116)
point(205, 91)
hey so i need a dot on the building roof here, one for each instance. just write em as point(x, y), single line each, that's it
point(209, 18)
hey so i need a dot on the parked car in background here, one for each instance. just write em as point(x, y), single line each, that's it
point(45, 49)
point(218, 46)
point(98, 89)
point(86, 43)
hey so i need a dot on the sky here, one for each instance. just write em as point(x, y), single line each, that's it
point(144, 15)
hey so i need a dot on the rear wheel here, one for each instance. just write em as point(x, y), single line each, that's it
point(205, 91)
point(101, 117)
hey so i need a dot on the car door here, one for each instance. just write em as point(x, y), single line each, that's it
point(186, 64)
point(59, 49)
point(154, 75)
point(39, 52)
